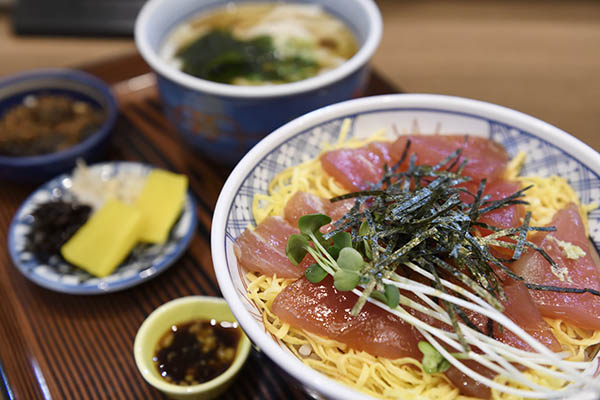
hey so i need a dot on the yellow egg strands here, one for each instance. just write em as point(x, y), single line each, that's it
point(547, 194)
point(306, 177)
point(380, 377)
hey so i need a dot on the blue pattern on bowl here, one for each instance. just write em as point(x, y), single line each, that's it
point(225, 128)
point(145, 262)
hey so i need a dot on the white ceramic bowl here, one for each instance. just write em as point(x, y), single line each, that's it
point(549, 151)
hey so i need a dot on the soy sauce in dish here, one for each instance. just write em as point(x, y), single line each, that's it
point(196, 351)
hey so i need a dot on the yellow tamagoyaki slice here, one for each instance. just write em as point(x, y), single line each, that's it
point(160, 202)
point(104, 241)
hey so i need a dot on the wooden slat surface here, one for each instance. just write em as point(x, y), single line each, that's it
point(80, 347)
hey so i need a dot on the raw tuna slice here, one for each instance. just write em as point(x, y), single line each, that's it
point(582, 310)
point(321, 309)
point(263, 249)
point(357, 169)
point(302, 203)
point(487, 159)
point(506, 217)
point(519, 307)
point(338, 209)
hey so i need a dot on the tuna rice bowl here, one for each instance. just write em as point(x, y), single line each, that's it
point(411, 265)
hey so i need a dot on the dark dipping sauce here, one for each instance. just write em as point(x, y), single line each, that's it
point(195, 352)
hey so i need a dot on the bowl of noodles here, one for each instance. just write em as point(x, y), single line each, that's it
point(229, 72)
point(530, 350)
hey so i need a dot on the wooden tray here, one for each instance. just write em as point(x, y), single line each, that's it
point(61, 346)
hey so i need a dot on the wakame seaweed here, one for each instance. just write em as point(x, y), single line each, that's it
point(219, 56)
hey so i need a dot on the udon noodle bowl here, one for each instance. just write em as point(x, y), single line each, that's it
point(260, 43)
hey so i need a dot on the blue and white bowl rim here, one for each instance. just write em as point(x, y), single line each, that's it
point(225, 229)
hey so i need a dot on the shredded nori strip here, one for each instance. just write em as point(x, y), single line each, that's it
point(422, 219)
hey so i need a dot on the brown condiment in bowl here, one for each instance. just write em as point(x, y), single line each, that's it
point(46, 124)
point(195, 352)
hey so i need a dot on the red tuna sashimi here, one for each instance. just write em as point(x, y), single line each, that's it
point(582, 310)
point(521, 309)
point(321, 309)
point(357, 169)
point(263, 249)
point(506, 217)
point(302, 203)
point(518, 306)
point(487, 159)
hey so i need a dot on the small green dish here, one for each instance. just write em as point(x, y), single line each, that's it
point(175, 312)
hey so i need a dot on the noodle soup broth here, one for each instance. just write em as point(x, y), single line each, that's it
point(259, 43)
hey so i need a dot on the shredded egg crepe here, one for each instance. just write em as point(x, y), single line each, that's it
point(402, 378)
point(547, 195)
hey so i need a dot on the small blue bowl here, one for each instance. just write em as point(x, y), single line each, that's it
point(224, 121)
point(72, 83)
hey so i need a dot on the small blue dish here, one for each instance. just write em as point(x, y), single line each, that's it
point(72, 83)
point(144, 262)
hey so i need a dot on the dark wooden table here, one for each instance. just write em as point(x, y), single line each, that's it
point(61, 346)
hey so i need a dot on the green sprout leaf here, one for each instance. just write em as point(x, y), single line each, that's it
point(376, 294)
point(364, 228)
point(333, 251)
point(444, 366)
point(366, 246)
point(345, 280)
point(433, 361)
point(340, 240)
point(390, 296)
point(295, 248)
point(314, 273)
point(350, 259)
point(311, 223)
